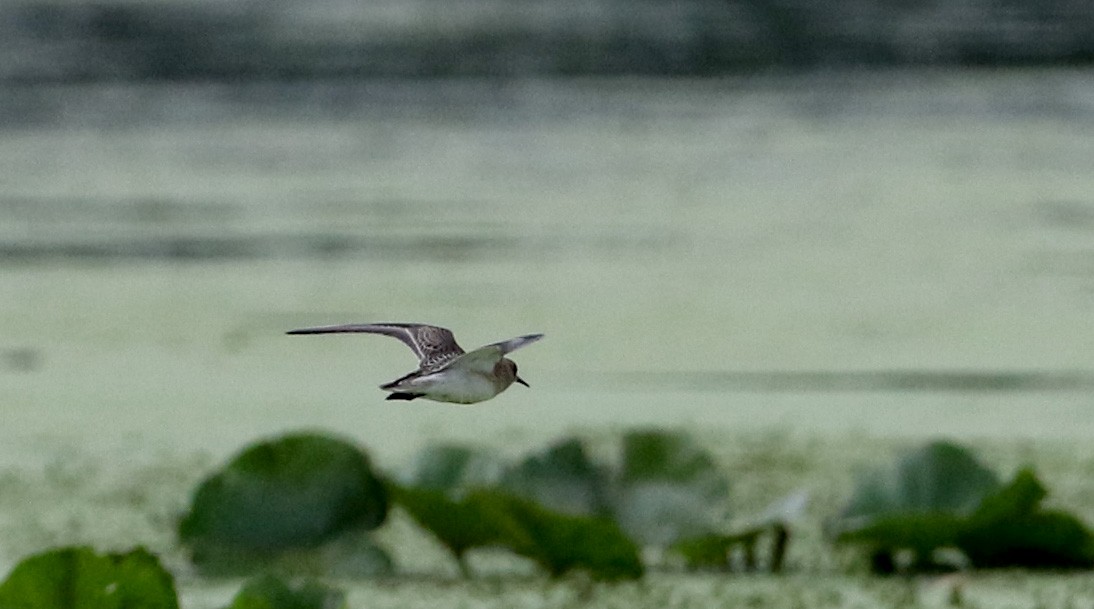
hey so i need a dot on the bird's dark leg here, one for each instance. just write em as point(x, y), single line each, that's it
point(399, 395)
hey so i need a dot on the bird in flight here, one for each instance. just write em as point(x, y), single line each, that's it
point(446, 373)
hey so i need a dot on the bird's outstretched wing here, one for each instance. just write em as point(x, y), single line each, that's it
point(483, 359)
point(434, 346)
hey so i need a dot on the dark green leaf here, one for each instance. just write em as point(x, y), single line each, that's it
point(1019, 498)
point(78, 578)
point(656, 455)
point(1009, 530)
point(561, 543)
point(937, 478)
point(712, 550)
point(561, 478)
point(940, 497)
point(459, 522)
point(921, 504)
point(271, 592)
point(921, 533)
point(295, 491)
point(490, 517)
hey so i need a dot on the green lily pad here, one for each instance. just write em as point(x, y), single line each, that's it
point(561, 478)
point(562, 509)
point(272, 592)
point(79, 578)
point(940, 496)
point(667, 488)
point(296, 491)
point(940, 477)
point(459, 521)
point(714, 550)
point(1009, 530)
point(491, 517)
point(561, 543)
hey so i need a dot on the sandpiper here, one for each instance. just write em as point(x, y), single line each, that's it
point(446, 373)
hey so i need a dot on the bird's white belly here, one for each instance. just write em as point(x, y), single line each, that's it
point(464, 388)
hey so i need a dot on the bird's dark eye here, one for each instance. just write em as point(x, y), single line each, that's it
point(514, 368)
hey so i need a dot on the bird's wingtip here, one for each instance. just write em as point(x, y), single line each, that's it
point(328, 329)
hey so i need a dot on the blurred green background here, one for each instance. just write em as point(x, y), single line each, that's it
point(814, 218)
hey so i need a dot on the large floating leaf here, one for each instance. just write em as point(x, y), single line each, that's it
point(562, 478)
point(79, 578)
point(551, 506)
point(939, 478)
point(271, 592)
point(561, 543)
point(292, 492)
point(667, 488)
point(464, 515)
point(1010, 529)
point(438, 493)
point(941, 497)
point(459, 521)
point(920, 504)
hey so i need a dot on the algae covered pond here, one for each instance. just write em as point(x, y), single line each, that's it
point(808, 270)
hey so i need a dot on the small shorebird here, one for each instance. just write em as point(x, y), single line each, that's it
point(446, 373)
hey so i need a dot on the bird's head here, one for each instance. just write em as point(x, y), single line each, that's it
point(511, 367)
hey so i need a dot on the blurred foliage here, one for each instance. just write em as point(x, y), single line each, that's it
point(562, 478)
point(52, 40)
point(741, 549)
point(272, 592)
point(80, 578)
point(313, 499)
point(561, 543)
point(459, 521)
point(449, 467)
point(566, 511)
point(282, 495)
point(1010, 529)
point(939, 496)
point(938, 477)
point(715, 551)
point(463, 516)
point(667, 488)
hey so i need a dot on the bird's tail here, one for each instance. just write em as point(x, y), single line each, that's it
point(400, 395)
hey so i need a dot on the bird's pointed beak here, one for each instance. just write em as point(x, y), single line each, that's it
point(521, 381)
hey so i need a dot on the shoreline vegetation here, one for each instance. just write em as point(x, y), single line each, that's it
point(127, 40)
point(81, 502)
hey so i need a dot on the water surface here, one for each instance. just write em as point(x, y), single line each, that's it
point(897, 254)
